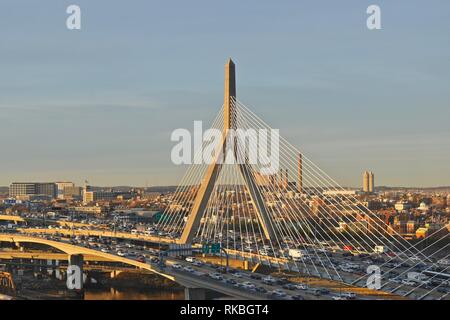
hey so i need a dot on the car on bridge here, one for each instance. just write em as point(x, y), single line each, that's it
point(261, 289)
point(282, 281)
point(316, 292)
point(270, 281)
point(188, 269)
point(154, 260)
point(216, 276)
point(300, 286)
point(222, 269)
point(230, 281)
point(199, 273)
point(248, 285)
point(131, 255)
point(319, 291)
point(348, 295)
point(239, 274)
point(339, 298)
point(197, 263)
point(278, 293)
point(255, 276)
point(141, 259)
point(289, 286)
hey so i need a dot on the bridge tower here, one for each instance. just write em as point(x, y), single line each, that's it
point(212, 173)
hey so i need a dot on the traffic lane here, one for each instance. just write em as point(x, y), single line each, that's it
point(349, 277)
point(246, 277)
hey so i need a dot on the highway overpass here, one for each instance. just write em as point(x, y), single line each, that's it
point(187, 280)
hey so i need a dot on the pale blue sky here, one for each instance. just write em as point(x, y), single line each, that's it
point(100, 103)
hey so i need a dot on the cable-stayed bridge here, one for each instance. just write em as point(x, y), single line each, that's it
point(274, 209)
point(295, 218)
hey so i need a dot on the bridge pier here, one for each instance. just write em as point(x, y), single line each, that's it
point(52, 268)
point(39, 266)
point(19, 246)
point(115, 273)
point(194, 293)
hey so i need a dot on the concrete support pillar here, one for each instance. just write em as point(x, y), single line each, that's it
point(41, 266)
point(115, 273)
point(36, 266)
point(52, 268)
point(18, 246)
point(194, 294)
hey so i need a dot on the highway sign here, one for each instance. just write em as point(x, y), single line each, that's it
point(211, 248)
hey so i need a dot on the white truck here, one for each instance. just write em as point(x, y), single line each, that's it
point(190, 259)
point(297, 254)
point(380, 249)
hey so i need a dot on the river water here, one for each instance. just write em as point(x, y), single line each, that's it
point(132, 294)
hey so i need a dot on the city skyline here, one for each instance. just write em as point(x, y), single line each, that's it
point(81, 184)
point(378, 100)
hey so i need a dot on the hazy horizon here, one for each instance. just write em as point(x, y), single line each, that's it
point(100, 104)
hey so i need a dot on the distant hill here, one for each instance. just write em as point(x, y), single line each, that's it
point(426, 189)
point(161, 189)
point(117, 188)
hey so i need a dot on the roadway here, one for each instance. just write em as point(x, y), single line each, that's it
point(390, 289)
point(186, 279)
point(97, 233)
point(198, 279)
point(75, 250)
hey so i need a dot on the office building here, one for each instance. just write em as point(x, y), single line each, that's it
point(90, 195)
point(61, 185)
point(368, 182)
point(73, 193)
point(30, 189)
point(371, 182)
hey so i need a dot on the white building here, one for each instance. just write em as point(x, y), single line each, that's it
point(402, 206)
point(60, 185)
